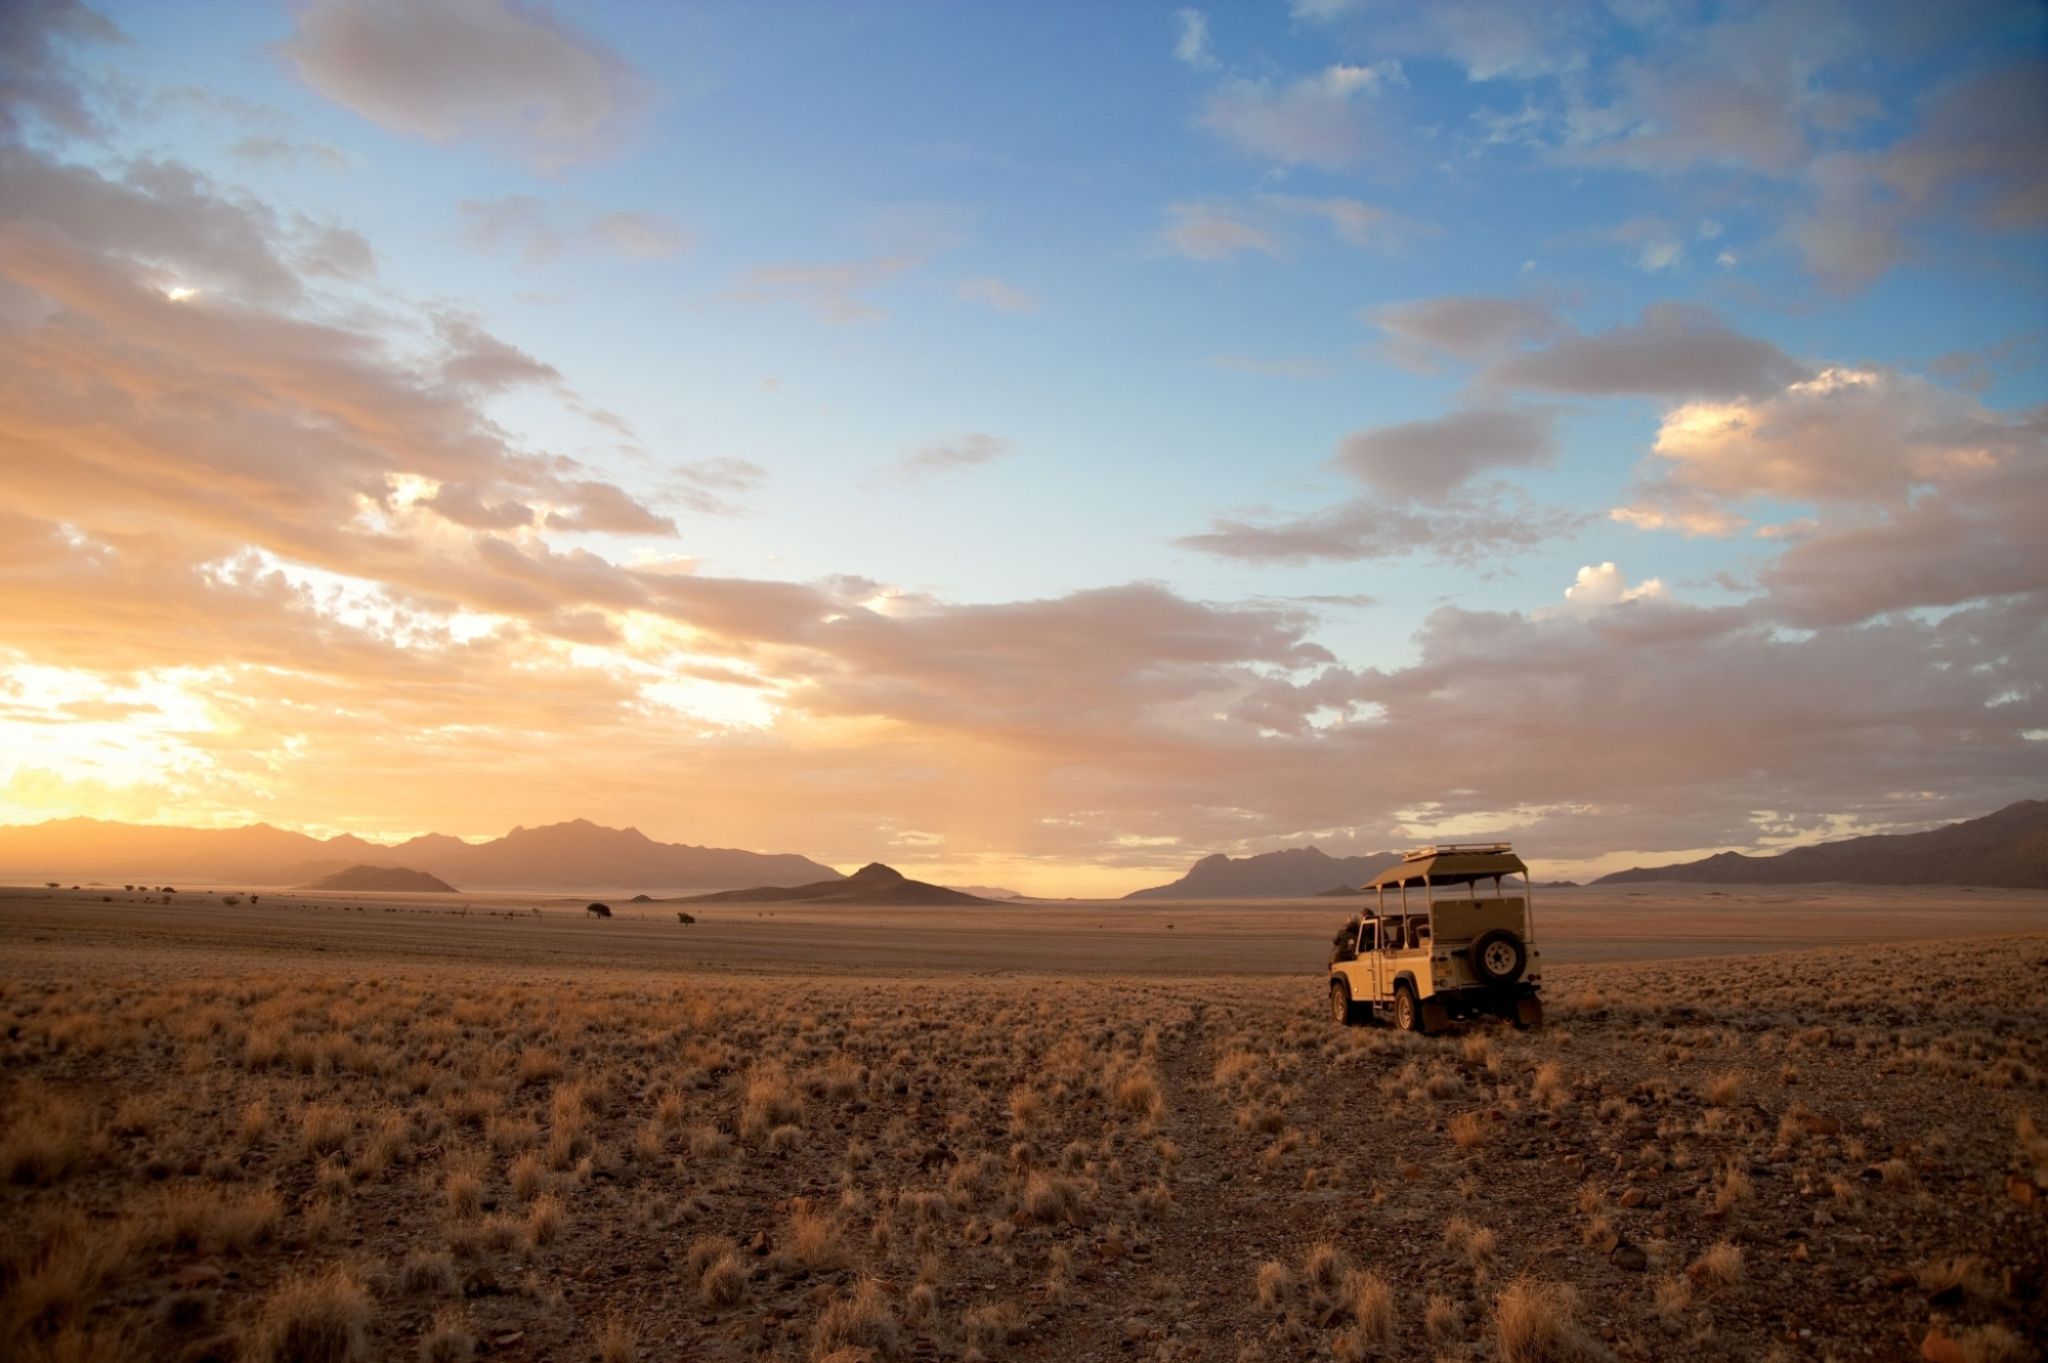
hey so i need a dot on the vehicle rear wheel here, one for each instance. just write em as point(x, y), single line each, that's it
point(1407, 1011)
point(1499, 957)
point(1343, 1011)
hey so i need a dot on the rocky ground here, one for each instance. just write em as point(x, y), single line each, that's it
point(1834, 1154)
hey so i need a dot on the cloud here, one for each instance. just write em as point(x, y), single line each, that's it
point(1846, 435)
point(494, 69)
point(1597, 588)
point(1358, 224)
point(971, 450)
point(903, 238)
point(269, 152)
point(477, 360)
point(995, 293)
point(707, 485)
point(601, 507)
point(1974, 538)
point(1310, 121)
point(541, 230)
point(832, 289)
point(640, 236)
point(225, 424)
point(37, 76)
point(1191, 41)
point(163, 216)
point(1676, 349)
point(1368, 528)
point(1430, 460)
point(1976, 155)
point(1490, 39)
point(1926, 497)
point(1656, 243)
point(1421, 331)
point(1424, 501)
point(1217, 229)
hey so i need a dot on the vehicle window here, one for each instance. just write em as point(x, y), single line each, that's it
point(1394, 942)
point(1418, 931)
point(1366, 937)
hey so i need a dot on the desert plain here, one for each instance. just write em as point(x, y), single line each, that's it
point(1791, 1123)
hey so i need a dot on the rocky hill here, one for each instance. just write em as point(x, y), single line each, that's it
point(1296, 873)
point(382, 878)
point(871, 884)
point(2007, 849)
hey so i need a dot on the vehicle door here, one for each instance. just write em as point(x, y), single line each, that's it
point(1383, 960)
point(1366, 977)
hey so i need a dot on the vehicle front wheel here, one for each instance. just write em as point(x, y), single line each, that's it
point(1343, 1011)
point(1407, 1011)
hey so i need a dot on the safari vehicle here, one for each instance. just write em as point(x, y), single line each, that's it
point(1432, 948)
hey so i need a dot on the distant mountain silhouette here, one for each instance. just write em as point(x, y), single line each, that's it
point(2006, 849)
point(578, 855)
point(382, 878)
point(1296, 873)
point(871, 884)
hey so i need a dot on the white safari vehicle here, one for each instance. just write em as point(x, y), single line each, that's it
point(1433, 947)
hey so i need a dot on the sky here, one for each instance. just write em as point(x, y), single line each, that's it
point(1030, 445)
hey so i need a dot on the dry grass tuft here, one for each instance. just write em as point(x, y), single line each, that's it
point(617, 1341)
point(1537, 1322)
point(1721, 1266)
point(320, 1318)
point(1724, 1089)
point(45, 1142)
point(860, 1321)
point(451, 1338)
point(1275, 1283)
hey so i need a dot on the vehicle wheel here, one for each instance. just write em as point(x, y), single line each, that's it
point(1343, 1011)
point(1407, 1012)
point(1499, 957)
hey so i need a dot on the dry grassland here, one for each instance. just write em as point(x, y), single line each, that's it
point(1835, 1154)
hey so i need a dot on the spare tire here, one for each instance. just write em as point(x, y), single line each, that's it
point(1499, 957)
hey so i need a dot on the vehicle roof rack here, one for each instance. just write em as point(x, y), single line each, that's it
point(1449, 849)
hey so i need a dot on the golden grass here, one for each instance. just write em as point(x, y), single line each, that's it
point(656, 1166)
point(317, 1318)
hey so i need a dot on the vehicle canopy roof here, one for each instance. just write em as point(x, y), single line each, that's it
point(1451, 864)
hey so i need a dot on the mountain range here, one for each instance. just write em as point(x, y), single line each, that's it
point(1295, 873)
point(2006, 849)
point(579, 855)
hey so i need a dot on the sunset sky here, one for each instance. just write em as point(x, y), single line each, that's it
point(1031, 445)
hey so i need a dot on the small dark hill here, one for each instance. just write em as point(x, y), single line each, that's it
point(2006, 849)
point(393, 878)
point(871, 884)
point(1296, 873)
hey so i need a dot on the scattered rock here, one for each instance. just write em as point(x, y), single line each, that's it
point(1628, 1257)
